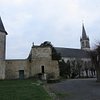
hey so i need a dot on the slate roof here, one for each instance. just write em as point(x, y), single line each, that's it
point(72, 53)
point(84, 36)
point(2, 29)
point(83, 32)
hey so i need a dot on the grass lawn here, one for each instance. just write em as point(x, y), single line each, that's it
point(22, 90)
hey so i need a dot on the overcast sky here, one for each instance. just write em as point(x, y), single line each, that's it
point(57, 21)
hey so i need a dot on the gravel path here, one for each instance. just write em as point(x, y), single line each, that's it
point(76, 89)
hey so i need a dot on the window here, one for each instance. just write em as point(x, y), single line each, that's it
point(42, 69)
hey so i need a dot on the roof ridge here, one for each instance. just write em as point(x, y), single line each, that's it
point(68, 48)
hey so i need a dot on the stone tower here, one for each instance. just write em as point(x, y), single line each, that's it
point(3, 34)
point(84, 40)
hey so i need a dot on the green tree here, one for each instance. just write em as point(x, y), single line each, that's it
point(63, 69)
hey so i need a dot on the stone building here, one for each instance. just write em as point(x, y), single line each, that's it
point(39, 61)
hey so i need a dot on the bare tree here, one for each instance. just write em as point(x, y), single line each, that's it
point(79, 66)
point(95, 58)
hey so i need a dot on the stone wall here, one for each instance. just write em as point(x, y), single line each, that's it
point(49, 67)
point(13, 67)
point(41, 52)
point(42, 56)
point(2, 69)
point(2, 45)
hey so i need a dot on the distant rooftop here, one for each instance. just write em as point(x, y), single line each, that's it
point(72, 53)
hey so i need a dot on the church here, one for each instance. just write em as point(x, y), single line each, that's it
point(79, 58)
point(39, 59)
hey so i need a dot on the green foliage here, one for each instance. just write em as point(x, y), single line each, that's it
point(71, 69)
point(55, 55)
point(22, 90)
point(64, 69)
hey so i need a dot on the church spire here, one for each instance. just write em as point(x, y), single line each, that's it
point(2, 29)
point(84, 36)
point(85, 45)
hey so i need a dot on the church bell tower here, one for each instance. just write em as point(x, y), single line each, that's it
point(84, 40)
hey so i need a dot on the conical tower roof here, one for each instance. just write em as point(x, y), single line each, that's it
point(2, 29)
point(84, 36)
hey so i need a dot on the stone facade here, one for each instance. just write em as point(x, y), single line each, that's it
point(2, 69)
point(14, 66)
point(2, 45)
point(42, 57)
point(39, 57)
point(2, 54)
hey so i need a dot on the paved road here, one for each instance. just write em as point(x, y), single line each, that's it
point(77, 89)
